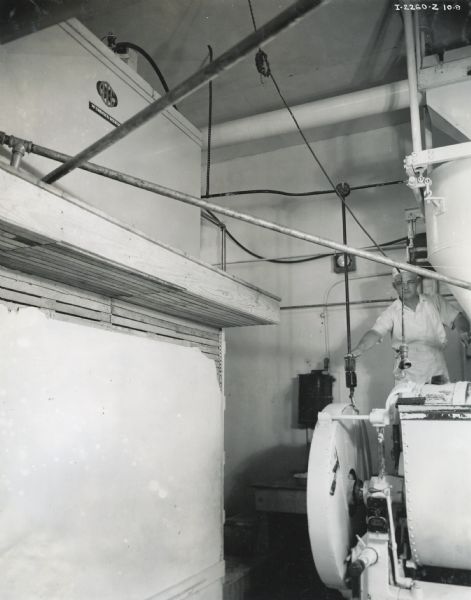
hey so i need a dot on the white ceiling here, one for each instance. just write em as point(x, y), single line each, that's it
point(341, 46)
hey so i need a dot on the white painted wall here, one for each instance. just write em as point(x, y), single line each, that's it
point(111, 469)
point(263, 363)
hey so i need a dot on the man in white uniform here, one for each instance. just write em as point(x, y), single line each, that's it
point(425, 319)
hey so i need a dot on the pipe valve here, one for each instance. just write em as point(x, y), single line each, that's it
point(350, 373)
point(404, 362)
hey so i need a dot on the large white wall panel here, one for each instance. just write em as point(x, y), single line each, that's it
point(111, 460)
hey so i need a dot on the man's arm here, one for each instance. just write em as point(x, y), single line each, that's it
point(461, 324)
point(450, 316)
point(369, 339)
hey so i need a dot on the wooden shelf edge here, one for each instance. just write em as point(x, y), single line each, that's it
point(75, 233)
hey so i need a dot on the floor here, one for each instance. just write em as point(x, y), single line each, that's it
point(294, 579)
point(285, 572)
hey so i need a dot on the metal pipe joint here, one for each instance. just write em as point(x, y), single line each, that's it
point(18, 146)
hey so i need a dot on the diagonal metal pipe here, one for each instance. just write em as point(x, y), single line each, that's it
point(187, 199)
point(227, 60)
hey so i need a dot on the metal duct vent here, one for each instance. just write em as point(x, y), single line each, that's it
point(418, 255)
point(446, 29)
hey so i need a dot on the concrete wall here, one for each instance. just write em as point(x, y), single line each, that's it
point(263, 363)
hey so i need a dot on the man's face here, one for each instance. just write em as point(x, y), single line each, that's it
point(407, 288)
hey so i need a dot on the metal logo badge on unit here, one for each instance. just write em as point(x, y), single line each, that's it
point(107, 93)
point(109, 97)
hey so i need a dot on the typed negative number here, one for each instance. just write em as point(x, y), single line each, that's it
point(423, 6)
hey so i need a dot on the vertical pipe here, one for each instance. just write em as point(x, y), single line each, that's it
point(418, 49)
point(347, 289)
point(223, 246)
point(15, 160)
point(18, 151)
point(412, 77)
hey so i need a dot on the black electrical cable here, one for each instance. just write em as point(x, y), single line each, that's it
point(279, 261)
point(210, 126)
point(213, 218)
point(220, 223)
point(268, 73)
point(321, 167)
point(342, 190)
point(206, 216)
point(375, 185)
point(293, 261)
point(313, 193)
point(253, 17)
point(210, 216)
point(120, 46)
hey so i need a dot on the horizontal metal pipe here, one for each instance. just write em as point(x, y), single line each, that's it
point(318, 113)
point(187, 199)
point(359, 302)
point(332, 304)
point(350, 418)
point(227, 60)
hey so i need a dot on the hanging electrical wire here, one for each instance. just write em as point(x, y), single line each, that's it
point(285, 193)
point(263, 67)
point(215, 220)
point(341, 190)
point(212, 218)
point(123, 46)
point(205, 215)
point(266, 71)
point(279, 261)
point(210, 126)
point(313, 257)
point(252, 16)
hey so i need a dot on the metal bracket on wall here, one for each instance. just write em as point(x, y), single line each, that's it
point(425, 158)
point(455, 67)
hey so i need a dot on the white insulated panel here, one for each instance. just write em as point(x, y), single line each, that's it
point(110, 464)
point(50, 78)
point(437, 455)
point(451, 103)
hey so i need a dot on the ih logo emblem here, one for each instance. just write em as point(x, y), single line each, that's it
point(107, 93)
